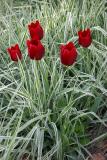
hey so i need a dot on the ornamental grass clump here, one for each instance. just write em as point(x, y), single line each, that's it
point(53, 79)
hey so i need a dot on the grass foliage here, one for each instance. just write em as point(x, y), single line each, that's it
point(45, 108)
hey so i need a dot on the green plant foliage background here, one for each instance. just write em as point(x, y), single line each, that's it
point(47, 109)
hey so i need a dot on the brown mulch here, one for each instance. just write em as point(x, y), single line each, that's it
point(26, 156)
point(97, 156)
point(99, 151)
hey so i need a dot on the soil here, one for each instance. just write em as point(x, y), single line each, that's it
point(99, 151)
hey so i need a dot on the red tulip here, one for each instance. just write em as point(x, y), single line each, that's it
point(85, 38)
point(15, 53)
point(68, 54)
point(35, 49)
point(36, 30)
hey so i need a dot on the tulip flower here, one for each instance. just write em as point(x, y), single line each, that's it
point(36, 30)
point(68, 54)
point(85, 38)
point(15, 53)
point(35, 49)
